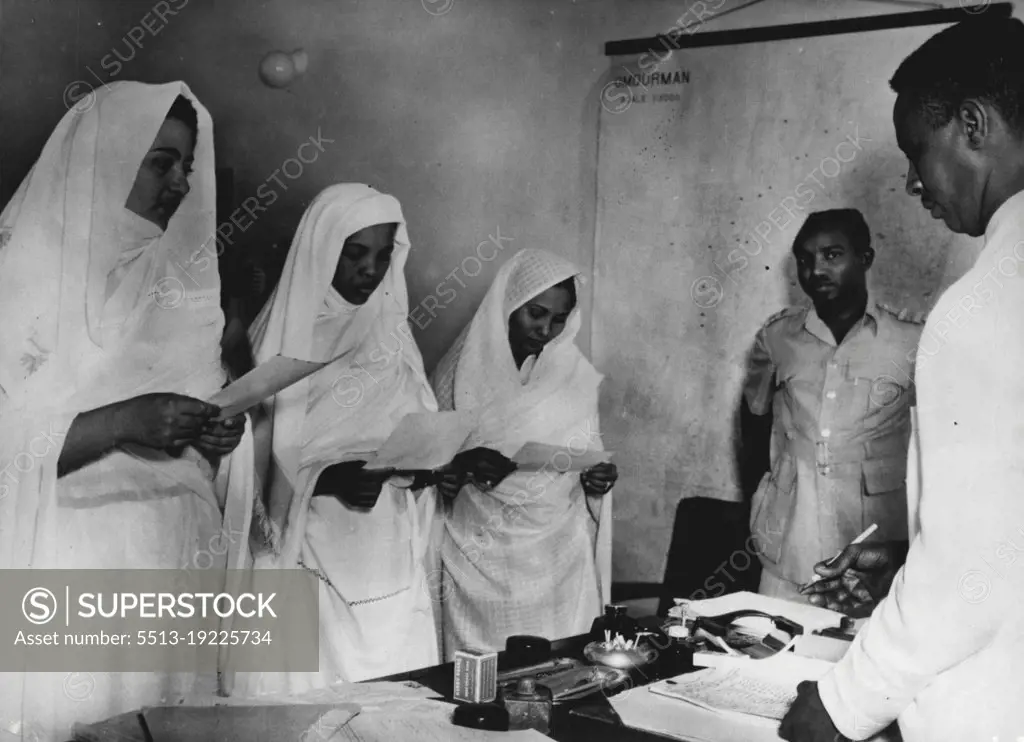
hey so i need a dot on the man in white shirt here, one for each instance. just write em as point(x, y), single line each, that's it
point(943, 652)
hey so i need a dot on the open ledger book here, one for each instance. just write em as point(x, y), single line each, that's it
point(732, 699)
point(762, 688)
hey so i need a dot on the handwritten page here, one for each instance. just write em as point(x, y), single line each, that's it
point(541, 456)
point(669, 717)
point(263, 382)
point(811, 617)
point(764, 688)
point(424, 441)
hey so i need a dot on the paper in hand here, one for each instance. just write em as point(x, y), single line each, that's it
point(541, 456)
point(263, 382)
point(424, 441)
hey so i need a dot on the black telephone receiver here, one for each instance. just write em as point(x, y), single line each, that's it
point(719, 625)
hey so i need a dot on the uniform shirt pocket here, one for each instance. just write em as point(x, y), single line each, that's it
point(879, 384)
point(772, 507)
point(884, 499)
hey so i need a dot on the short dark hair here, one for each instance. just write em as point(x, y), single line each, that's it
point(848, 221)
point(182, 110)
point(979, 58)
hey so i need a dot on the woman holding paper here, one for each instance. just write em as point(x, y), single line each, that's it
point(342, 295)
point(113, 459)
point(533, 554)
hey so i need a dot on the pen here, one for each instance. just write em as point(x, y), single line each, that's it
point(721, 642)
point(817, 578)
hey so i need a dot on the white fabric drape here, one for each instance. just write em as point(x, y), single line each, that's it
point(533, 555)
point(99, 306)
point(375, 612)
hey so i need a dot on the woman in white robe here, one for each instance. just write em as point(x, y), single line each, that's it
point(532, 555)
point(108, 349)
point(342, 294)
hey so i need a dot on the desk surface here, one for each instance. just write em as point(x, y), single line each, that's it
point(580, 721)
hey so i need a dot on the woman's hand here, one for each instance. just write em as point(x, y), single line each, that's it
point(598, 480)
point(449, 481)
point(220, 436)
point(162, 421)
point(484, 467)
point(358, 487)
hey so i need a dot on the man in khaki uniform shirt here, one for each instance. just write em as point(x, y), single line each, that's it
point(839, 377)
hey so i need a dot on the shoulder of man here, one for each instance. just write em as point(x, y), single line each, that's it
point(777, 320)
point(903, 315)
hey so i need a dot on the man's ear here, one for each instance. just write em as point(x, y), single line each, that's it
point(868, 256)
point(974, 120)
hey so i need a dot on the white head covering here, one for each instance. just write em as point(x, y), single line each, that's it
point(67, 227)
point(305, 318)
point(86, 319)
point(494, 582)
point(479, 370)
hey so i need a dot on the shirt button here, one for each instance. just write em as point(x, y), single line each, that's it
point(825, 470)
point(833, 364)
point(831, 395)
point(826, 433)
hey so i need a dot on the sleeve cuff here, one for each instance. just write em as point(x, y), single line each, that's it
point(838, 694)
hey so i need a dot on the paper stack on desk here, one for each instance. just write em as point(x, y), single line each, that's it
point(811, 617)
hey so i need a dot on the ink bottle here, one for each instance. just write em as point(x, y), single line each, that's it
point(616, 622)
point(529, 706)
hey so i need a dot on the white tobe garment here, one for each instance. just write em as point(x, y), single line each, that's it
point(533, 555)
point(88, 321)
point(375, 610)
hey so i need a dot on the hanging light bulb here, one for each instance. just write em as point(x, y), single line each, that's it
point(277, 69)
